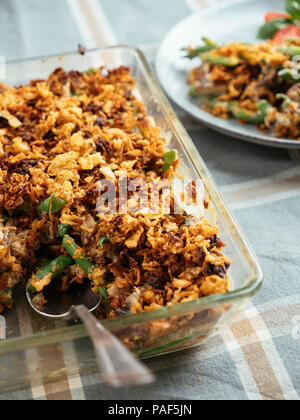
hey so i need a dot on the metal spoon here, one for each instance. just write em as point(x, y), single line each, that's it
point(118, 366)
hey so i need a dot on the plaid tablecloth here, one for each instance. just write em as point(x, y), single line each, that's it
point(258, 355)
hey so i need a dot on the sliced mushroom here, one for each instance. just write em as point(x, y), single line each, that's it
point(294, 93)
point(268, 76)
point(205, 87)
point(212, 90)
point(202, 84)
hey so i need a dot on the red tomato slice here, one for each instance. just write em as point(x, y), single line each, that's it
point(291, 31)
point(275, 15)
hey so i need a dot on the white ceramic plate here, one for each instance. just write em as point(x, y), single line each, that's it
point(237, 20)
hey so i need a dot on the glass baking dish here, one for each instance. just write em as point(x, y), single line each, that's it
point(38, 351)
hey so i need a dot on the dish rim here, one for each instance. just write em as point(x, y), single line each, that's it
point(254, 280)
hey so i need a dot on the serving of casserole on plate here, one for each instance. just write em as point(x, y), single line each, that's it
point(235, 76)
point(254, 83)
point(98, 122)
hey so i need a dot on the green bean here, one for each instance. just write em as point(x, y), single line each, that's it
point(193, 91)
point(78, 255)
point(103, 240)
point(291, 50)
point(90, 72)
point(288, 75)
point(258, 117)
point(63, 229)
point(218, 59)
point(241, 114)
point(212, 101)
point(52, 204)
point(263, 109)
point(209, 43)
point(42, 261)
point(286, 100)
point(31, 289)
point(55, 267)
point(197, 51)
point(7, 296)
point(169, 158)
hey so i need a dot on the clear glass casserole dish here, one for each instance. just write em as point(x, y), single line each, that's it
point(38, 351)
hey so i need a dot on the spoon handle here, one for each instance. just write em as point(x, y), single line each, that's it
point(118, 365)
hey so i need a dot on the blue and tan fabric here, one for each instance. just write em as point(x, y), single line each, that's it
point(257, 356)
